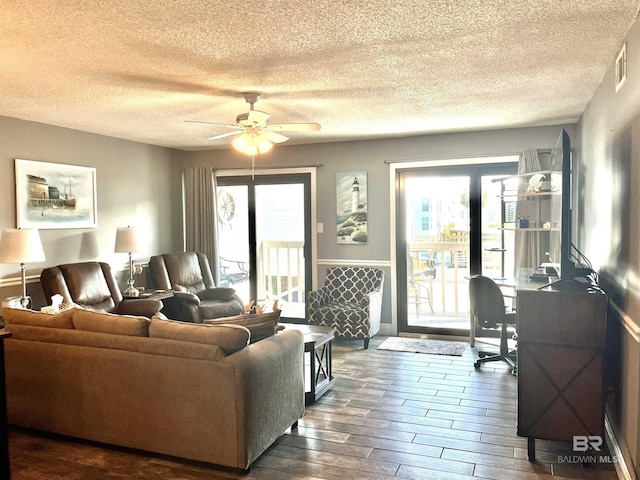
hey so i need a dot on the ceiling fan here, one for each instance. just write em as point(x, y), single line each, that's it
point(256, 135)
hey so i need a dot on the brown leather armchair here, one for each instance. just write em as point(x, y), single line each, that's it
point(195, 295)
point(93, 286)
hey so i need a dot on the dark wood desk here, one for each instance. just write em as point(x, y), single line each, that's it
point(317, 368)
point(5, 472)
point(561, 340)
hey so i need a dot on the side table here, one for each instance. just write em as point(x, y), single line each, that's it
point(5, 472)
point(317, 362)
point(151, 294)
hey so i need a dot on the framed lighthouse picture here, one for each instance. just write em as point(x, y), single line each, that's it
point(351, 191)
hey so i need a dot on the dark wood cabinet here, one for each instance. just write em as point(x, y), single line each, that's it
point(561, 341)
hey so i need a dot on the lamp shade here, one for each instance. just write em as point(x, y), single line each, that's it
point(21, 246)
point(127, 240)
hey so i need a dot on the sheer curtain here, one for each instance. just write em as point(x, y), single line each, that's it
point(201, 233)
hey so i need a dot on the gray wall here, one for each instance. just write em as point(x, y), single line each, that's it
point(137, 184)
point(141, 184)
point(371, 156)
point(608, 171)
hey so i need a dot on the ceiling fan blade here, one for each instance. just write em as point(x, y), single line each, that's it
point(275, 137)
point(258, 117)
point(215, 123)
point(223, 135)
point(295, 127)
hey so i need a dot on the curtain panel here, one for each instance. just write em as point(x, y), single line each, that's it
point(201, 233)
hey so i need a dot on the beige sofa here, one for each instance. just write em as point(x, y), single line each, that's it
point(191, 391)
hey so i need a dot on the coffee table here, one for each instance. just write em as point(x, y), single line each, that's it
point(317, 362)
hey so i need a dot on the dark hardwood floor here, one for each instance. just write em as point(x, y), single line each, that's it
point(389, 415)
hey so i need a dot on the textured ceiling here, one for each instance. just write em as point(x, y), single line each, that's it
point(136, 69)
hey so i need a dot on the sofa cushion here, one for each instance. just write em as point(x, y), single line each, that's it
point(123, 343)
point(111, 323)
point(20, 316)
point(261, 325)
point(229, 338)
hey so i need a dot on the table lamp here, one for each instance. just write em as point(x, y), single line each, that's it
point(127, 242)
point(21, 246)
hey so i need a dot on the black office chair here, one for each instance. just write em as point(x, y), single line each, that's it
point(489, 311)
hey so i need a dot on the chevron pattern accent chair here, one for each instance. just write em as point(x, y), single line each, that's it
point(350, 301)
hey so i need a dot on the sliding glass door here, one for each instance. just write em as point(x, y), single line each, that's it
point(449, 229)
point(264, 231)
point(437, 248)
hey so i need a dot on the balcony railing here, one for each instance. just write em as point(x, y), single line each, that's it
point(282, 273)
point(448, 289)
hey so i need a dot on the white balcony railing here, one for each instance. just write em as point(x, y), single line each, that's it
point(281, 274)
point(448, 289)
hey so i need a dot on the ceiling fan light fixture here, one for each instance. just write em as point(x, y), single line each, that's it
point(264, 145)
point(256, 136)
point(251, 144)
point(251, 150)
point(242, 142)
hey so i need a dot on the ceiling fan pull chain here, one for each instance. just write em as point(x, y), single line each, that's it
point(253, 167)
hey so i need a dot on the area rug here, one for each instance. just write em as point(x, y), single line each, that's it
point(423, 345)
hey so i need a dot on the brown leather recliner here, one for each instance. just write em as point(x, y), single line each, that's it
point(195, 295)
point(93, 286)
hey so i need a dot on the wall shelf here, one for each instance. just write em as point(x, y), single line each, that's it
point(530, 229)
point(528, 194)
point(523, 175)
point(515, 200)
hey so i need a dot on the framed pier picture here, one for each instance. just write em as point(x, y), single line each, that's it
point(53, 195)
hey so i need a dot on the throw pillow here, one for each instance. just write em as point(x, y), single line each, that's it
point(229, 338)
point(110, 323)
point(20, 316)
point(261, 325)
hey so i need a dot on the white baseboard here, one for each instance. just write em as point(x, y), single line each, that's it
point(345, 262)
point(386, 329)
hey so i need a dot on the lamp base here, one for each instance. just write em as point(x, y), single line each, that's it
point(25, 302)
point(131, 291)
